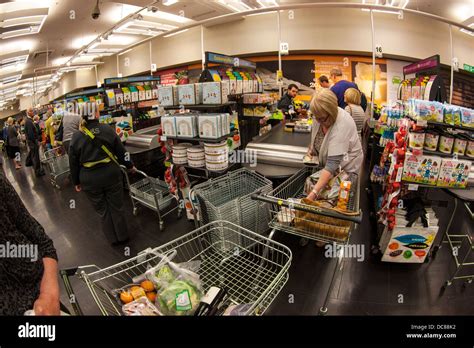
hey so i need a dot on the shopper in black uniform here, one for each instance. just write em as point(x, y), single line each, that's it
point(32, 139)
point(98, 175)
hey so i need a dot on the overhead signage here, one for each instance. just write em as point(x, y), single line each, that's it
point(217, 58)
point(425, 64)
point(131, 79)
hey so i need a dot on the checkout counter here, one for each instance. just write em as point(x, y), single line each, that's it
point(145, 152)
point(279, 154)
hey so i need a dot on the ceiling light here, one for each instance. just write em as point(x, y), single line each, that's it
point(167, 17)
point(267, 3)
point(235, 5)
point(169, 2)
point(469, 32)
point(176, 33)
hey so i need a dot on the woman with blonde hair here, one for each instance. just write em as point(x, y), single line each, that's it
point(13, 143)
point(334, 139)
point(352, 98)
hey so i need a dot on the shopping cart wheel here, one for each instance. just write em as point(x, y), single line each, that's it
point(135, 211)
point(323, 311)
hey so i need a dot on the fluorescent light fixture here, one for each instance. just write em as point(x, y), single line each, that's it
point(260, 13)
point(469, 32)
point(267, 3)
point(166, 17)
point(25, 20)
point(235, 5)
point(10, 79)
point(176, 33)
point(125, 52)
point(169, 2)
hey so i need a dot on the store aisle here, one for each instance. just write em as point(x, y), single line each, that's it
point(362, 288)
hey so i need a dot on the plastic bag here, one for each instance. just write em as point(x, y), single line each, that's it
point(141, 306)
point(179, 286)
point(331, 191)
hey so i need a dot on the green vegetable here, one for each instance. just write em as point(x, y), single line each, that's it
point(186, 292)
point(165, 275)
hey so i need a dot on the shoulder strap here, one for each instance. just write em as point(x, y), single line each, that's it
point(98, 143)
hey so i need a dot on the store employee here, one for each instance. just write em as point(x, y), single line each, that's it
point(285, 104)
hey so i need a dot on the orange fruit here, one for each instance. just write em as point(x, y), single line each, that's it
point(126, 297)
point(151, 296)
point(137, 292)
point(147, 285)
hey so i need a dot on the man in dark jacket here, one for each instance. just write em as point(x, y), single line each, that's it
point(32, 139)
point(94, 165)
point(285, 104)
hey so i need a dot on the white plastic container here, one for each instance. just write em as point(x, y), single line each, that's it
point(417, 140)
point(460, 145)
point(180, 159)
point(199, 163)
point(195, 153)
point(470, 148)
point(217, 158)
point(446, 143)
point(216, 148)
point(181, 150)
point(217, 166)
point(431, 141)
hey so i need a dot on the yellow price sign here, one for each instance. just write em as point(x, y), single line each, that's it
point(167, 164)
point(310, 121)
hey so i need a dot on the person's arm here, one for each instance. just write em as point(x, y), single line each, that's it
point(284, 104)
point(48, 299)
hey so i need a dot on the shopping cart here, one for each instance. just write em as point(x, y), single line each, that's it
point(312, 222)
point(154, 194)
point(57, 162)
point(228, 198)
point(252, 273)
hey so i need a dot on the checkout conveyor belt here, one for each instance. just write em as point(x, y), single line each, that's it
point(279, 153)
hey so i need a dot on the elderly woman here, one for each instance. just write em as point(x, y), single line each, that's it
point(334, 139)
point(352, 98)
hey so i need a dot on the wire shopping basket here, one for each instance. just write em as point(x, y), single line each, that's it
point(252, 275)
point(292, 215)
point(228, 198)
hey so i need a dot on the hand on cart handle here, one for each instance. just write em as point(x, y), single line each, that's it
point(78, 188)
point(132, 170)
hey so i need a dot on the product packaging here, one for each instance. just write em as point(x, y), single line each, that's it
point(460, 144)
point(210, 126)
point(421, 169)
point(467, 117)
point(416, 139)
point(119, 96)
point(127, 97)
point(154, 92)
point(166, 96)
point(168, 125)
point(141, 93)
point(186, 94)
point(186, 126)
point(446, 142)
point(134, 93)
point(470, 148)
point(225, 91)
point(454, 173)
point(211, 93)
point(110, 97)
point(148, 92)
point(198, 92)
point(431, 141)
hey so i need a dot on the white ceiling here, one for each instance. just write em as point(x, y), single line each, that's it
point(69, 26)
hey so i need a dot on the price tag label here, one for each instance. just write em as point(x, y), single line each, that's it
point(421, 123)
point(399, 175)
point(167, 164)
point(412, 187)
point(163, 138)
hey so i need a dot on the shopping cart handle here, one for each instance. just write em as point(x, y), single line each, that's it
point(65, 274)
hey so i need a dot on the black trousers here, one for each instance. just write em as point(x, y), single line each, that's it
point(33, 157)
point(108, 203)
point(66, 144)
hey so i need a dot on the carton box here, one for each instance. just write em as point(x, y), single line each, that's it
point(168, 124)
point(454, 173)
point(210, 126)
point(186, 126)
point(211, 93)
point(166, 95)
point(186, 94)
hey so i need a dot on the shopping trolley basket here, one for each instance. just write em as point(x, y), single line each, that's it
point(154, 194)
point(290, 215)
point(228, 198)
point(252, 275)
point(57, 162)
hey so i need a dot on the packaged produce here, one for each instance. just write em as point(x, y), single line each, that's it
point(431, 140)
point(416, 139)
point(344, 195)
point(181, 297)
point(331, 191)
point(446, 142)
point(141, 306)
point(460, 144)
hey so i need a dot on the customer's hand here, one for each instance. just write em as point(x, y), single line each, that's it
point(312, 196)
point(78, 188)
point(46, 304)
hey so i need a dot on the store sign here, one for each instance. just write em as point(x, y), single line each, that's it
point(130, 79)
point(378, 51)
point(217, 58)
point(455, 64)
point(428, 63)
point(469, 68)
point(153, 68)
point(284, 48)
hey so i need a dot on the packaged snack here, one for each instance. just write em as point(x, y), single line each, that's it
point(141, 306)
point(421, 169)
point(470, 148)
point(416, 139)
point(457, 116)
point(460, 144)
point(446, 142)
point(344, 195)
point(431, 140)
point(467, 117)
point(454, 173)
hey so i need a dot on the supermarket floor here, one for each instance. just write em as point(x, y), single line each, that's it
point(369, 287)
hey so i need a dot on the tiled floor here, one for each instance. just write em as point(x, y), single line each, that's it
point(361, 288)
